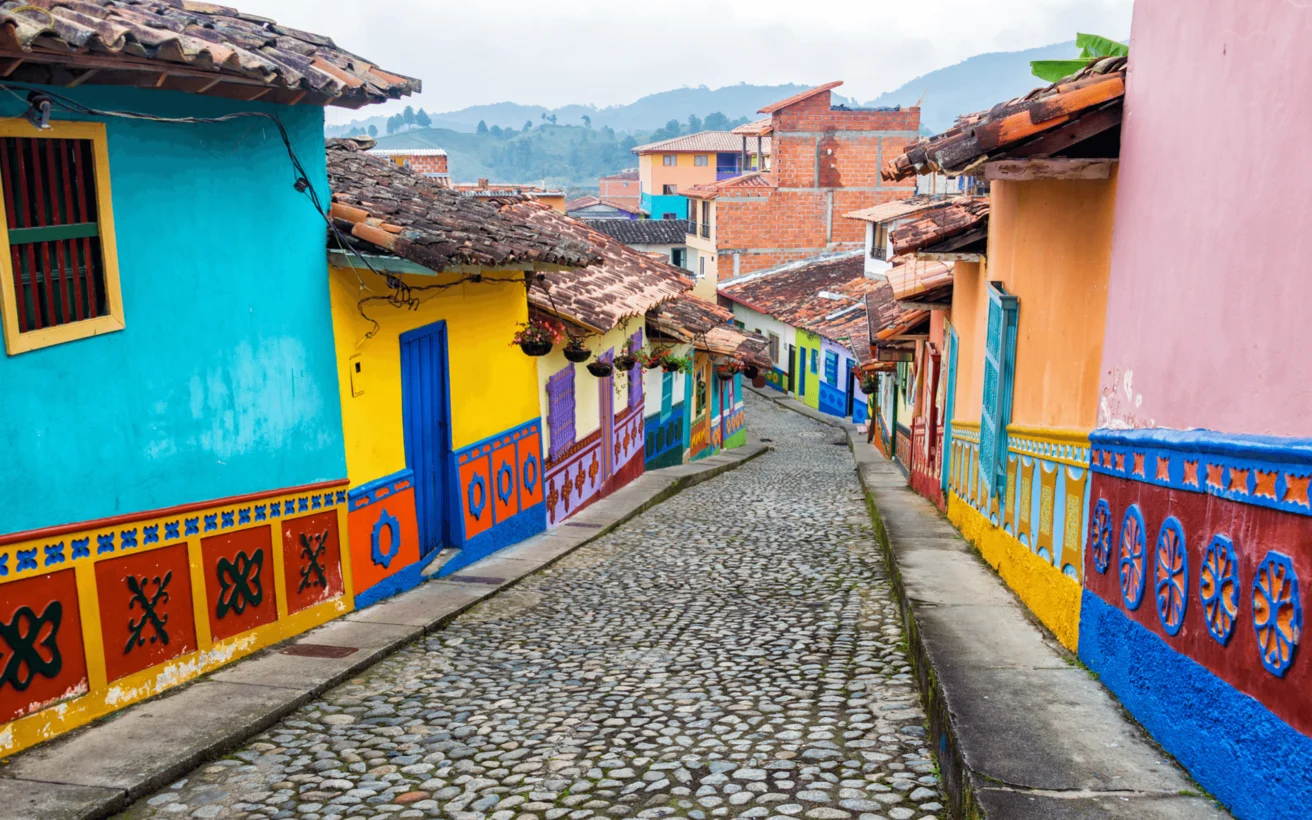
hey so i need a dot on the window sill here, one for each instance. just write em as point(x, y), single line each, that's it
point(16, 343)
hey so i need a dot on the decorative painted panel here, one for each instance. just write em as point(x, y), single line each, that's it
point(41, 638)
point(146, 614)
point(312, 560)
point(384, 537)
point(573, 479)
point(832, 400)
point(238, 569)
point(1226, 534)
point(146, 601)
point(491, 474)
point(628, 437)
point(664, 439)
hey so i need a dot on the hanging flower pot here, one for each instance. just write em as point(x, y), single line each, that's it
point(672, 366)
point(576, 352)
point(538, 335)
point(758, 382)
point(751, 371)
point(869, 383)
point(600, 369)
point(728, 368)
point(625, 362)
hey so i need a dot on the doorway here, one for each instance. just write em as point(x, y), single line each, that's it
point(427, 422)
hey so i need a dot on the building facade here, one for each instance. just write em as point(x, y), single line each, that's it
point(668, 168)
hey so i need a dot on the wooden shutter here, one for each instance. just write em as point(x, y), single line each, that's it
point(949, 407)
point(560, 411)
point(999, 369)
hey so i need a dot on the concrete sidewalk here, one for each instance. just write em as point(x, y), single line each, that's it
point(102, 768)
point(1021, 730)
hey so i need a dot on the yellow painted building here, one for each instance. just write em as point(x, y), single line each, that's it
point(440, 411)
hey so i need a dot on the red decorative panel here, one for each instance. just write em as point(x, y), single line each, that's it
point(476, 495)
point(41, 655)
point(505, 481)
point(146, 616)
point(312, 560)
point(530, 470)
point(239, 584)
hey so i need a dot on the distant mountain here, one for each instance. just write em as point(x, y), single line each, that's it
point(645, 114)
point(974, 84)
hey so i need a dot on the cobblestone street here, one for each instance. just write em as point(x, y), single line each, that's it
point(733, 652)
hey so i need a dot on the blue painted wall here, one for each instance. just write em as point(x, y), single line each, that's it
point(658, 205)
point(1251, 760)
point(832, 400)
point(224, 380)
point(664, 440)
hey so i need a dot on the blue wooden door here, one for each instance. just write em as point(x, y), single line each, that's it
point(950, 404)
point(427, 420)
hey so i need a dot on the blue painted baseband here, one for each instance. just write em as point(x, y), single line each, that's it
point(407, 578)
point(514, 529)
point(1249, 759)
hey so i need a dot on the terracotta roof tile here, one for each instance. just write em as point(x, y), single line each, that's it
point(894, 209)
point(627, 174)
point(708, 327)
point(753, 129)
point(755, 179)
point(1020, 125)
point(388, 209)
point(922, 281)
point(796, 98)
point(940, 223)
point(625, 283)
point(190, 38)
point(800, 293)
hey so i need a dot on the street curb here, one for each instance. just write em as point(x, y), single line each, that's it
point(51, 791)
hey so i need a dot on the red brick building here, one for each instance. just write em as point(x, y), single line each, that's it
point(622, 188)
point(826, 163)
point(431, 162)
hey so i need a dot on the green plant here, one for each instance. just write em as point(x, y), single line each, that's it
point(1092, 47)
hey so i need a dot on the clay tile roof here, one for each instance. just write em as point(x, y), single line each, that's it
point(708, 327)
point(894, 209)
point(922, 281)
point(837, 314)
point(703, 141)
point(643, 231)
point(755, 179)
point(625, 282)
point(408, 152)
point(937, 224)
point(1042, 123)
point(791, 293)
point(627, 173)
point(882, 310)
point(581, 202)
point(759, 128)
point(796, 98)
point(133, 42)
point(384, 208)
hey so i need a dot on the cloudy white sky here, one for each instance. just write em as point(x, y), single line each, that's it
point(607, 52)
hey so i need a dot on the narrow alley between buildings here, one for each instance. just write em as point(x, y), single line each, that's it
point(734, 652)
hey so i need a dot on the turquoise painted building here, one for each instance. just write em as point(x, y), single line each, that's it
point(665, 206)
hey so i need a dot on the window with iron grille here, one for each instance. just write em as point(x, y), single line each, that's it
point(58, 274)
point(560, 411)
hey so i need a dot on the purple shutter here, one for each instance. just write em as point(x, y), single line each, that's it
point(560, 410)
point(635, 375)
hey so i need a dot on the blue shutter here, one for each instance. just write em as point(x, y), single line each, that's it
point(999, 371)
point(667, 394)
point(949, 406)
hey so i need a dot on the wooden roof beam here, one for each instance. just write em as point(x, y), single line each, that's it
point(1028, 170)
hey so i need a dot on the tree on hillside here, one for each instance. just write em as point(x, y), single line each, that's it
point(528, 125)
point(373, 131)
point(694, 123)
point(495, 131)
point(481, 130)
point(587, 121)
point(422, 119)
point(409, 115)
point(716, 121)
point(392, 124)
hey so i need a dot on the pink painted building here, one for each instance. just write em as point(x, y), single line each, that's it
point(1199, 555)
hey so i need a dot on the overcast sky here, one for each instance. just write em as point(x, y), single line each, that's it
point(607, 52)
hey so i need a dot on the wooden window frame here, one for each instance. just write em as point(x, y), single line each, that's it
point(16, 341)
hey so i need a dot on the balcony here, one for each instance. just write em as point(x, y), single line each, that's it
point(721, 174)
point(880, 253)
point(706, 231)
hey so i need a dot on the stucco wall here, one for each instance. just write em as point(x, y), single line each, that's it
point(970, 318)
point(1208, 295)
point(587, 397)
point(1050, 243)
point(223, 381)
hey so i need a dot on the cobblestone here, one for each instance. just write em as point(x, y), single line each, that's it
point(733, 652)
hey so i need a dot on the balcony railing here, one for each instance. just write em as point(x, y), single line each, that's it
point(721, 174)
point(706, 231)
point(880, 252)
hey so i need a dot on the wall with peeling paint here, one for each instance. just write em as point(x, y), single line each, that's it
point(1209, 293)
point(222, 382)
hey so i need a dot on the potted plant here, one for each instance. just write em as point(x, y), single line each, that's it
point(751, 371)
point(728, 368)
point(628, 357)
point(575, 351)
point(662, 357)
point(869, 383)
point(600, 369)
point(538, 335)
